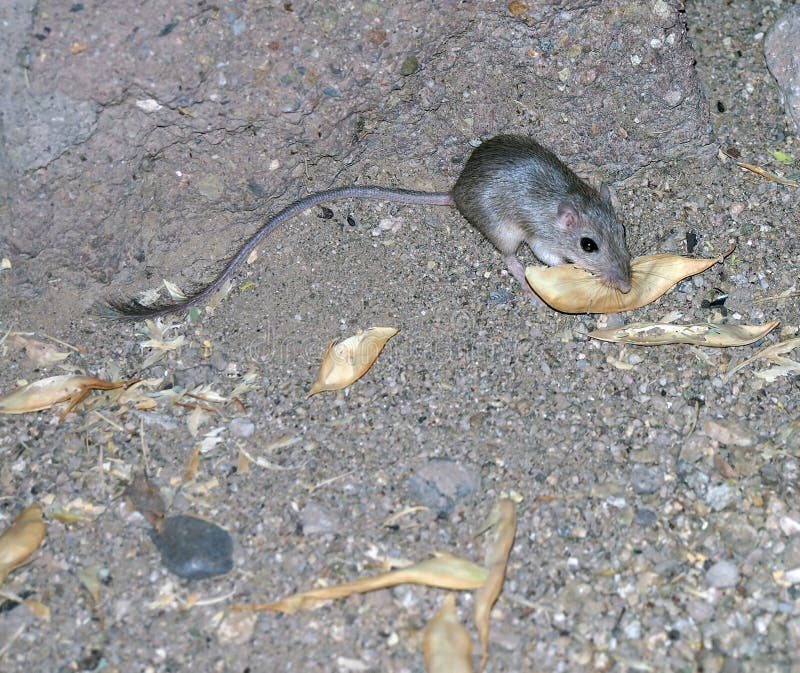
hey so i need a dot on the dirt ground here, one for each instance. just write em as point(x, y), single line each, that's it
point(658, 509)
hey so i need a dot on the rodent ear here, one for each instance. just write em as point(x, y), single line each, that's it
point(567, 216)
point(605, 193)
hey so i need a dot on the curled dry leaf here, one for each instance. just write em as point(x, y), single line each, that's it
point(503, 524)
point(570, 289)
point(446, 645)
point(21, 539)
point(48, 392)
point(773, 353)
point(347, 361)
point(443, 571)
point(659, 334)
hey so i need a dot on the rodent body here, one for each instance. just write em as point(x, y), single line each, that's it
point(511, 189)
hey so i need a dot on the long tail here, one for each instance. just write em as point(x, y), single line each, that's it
point(133, 310)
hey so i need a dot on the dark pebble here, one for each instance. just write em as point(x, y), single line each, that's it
point(194, 548)
point(166, 30)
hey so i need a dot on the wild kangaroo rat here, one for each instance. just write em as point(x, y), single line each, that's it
point(512, 190)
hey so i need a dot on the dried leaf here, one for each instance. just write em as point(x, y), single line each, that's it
point(443, 571)
point(65, 516)
point(175, 293)
point(659, 334)
point(39, 353)
point(21, 539)
point(570, 289)
point(146, 499)
point(446, 644)
point(784, 368)
point(503, 522)
point(90, 578)
point(193, 467)
point(39, 609)
point(347, 361)
point(48, 392)
point(771, 353)
point(765, 174)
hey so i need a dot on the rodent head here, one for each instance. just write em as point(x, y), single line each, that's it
point(590, 236)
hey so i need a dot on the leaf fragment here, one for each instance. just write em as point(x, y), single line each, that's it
point(443, 571)
point(659, 334)
point(446, 644)
point(570, 289)
point(21, 539)
point(772, 353)
point(503, 524)
point(50, 391)
point(346, 362)
point(39, 353)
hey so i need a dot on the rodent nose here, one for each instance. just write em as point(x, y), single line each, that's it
point(624, 286)
point(620, 283)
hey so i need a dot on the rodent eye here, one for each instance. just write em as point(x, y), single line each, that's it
point(588, 244)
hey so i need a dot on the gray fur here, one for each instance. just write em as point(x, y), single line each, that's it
point(511, 190)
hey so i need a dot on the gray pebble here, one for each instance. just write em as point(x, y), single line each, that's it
point(645, 516)
point(729, 432)
point(700, 611)
point(242, 427)
point(194, 548)
point(720, 496)
point(318, 520)
point(441, 483)
point(497, 297)
point(646, 480)
point(722, 574)
point(769, 474)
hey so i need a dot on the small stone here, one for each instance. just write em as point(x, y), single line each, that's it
point(700, 611)
point(237, 628)
point(791, 555)
point(210, 186)
point(194, 548)
point(673, 98)
point(694, 448)
point(318, 520)
point(718, 497)
point(410, 66)
point(740, 537)
point(441, 483)
point(242, 427)
point(730, 432)
point(646, 480)
point(645, 516)
point(769, 474)
point(498, 297)
point(722, 575)
point(790, 523)
point(792, 576)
